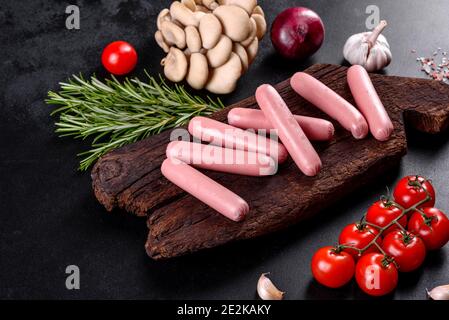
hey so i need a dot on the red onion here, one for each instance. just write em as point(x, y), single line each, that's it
point(297, 33)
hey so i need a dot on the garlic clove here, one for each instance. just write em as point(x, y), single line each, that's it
point(267, 290)
point(439, 293)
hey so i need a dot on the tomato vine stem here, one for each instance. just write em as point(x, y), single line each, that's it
point(395, 221)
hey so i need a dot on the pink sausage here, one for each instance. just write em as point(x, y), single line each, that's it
point(205, 189)
point(290, 133)
point(215, 158)
point(369, 103)
point(315, 129)
point(331, 103)
point(227, 136)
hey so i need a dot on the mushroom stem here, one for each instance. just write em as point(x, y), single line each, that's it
point(376, 32)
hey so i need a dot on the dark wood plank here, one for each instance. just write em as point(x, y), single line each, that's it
point(130, 179)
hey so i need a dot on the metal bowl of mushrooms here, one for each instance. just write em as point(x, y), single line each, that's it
point(210, 44)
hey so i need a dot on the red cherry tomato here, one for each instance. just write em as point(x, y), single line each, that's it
point(375, 275)
point(119, 58)
point(433, 228)
point(332, 268)
point(411, 190)
point(407, 250)
point(359, 236)
point(382, 212)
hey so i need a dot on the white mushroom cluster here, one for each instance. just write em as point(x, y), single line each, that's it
point(210, 44)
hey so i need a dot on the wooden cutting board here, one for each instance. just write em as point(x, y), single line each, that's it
point(130, 179)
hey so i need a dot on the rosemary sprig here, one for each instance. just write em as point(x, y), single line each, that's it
point(115, 113)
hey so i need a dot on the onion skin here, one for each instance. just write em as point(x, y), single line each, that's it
point(297, 33)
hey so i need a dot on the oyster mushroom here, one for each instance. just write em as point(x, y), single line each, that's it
point(223, 80)
point(198, 15)
point(198, 71)
point(252, 49)
point(210, 30)
point(193, 39)
point(173, 34)
point(164, 15)
point(161, 41)
point(201, 8)
point(211, 4)
point(261, 25)
point(252, 34)
point(184, 15)
point(239, 50)
point(235, 21)
point(175, 65)
point(218, 55)
point(247, 5)
point(190, 4)
point(259, 10)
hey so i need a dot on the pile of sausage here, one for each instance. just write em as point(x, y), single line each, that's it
point(233, 149)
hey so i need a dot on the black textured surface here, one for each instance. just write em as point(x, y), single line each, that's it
point(50, 218)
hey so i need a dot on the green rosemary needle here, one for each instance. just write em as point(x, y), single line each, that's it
point(114, 113)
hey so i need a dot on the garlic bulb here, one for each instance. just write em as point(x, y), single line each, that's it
point(267, 290)
point(439, 293)
point(369, 49)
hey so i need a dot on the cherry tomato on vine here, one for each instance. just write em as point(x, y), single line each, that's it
point(332, 268)
point(433, 228)
point(382, 212)
point(119, 57)
point(407, 249)
point(376, 275)
point(411, 190)
point(359, 236)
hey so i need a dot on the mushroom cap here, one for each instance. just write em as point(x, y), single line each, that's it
point(252, 34)
point(247, 5)
point(252, 50)
point(173, 34)
point(259, 10)
point(161, 41)
point(210, 30)
point(261, 25)
point(182, 14)
point(164, 15)
point(235, 22)
point(175, 65)
point(243, 55)
point(223, 80)
point(211, 4)
point(198, 71)
point(193, 39)
point(218, 55)
point(190, 4)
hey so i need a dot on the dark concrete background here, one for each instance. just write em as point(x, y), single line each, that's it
point(50, 218)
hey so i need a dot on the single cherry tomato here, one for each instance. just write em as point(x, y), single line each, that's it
point(382, 212)
point(359, 236)
point(376, 275)
point(433, 228)
point(411, 190)
point(119, 58)
point(332, 268)
point(407, 250)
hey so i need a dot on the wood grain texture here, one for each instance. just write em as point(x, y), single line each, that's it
point(130, 179)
